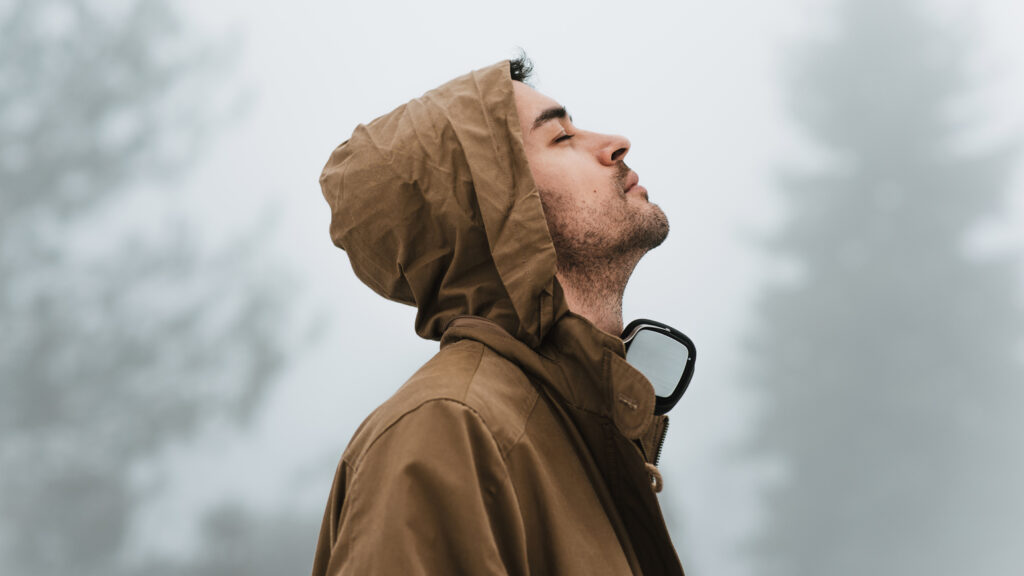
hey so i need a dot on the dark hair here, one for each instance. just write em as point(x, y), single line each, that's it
point(520, 68)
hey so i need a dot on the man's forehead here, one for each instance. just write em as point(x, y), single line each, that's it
point(534, 107)
point(527, 95)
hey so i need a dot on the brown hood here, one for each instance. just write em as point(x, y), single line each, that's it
point(435, 205)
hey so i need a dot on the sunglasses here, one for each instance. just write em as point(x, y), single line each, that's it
point(664, 355)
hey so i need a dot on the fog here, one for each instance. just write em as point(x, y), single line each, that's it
point(184, 354)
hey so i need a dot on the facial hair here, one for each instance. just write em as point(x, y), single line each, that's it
point(607, 241)
point(650, 227)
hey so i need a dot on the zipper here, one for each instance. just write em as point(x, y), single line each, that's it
point(661, 442)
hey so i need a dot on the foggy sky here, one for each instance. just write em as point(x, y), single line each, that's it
point(699, 90)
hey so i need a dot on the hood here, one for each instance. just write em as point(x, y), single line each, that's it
point(435, 206)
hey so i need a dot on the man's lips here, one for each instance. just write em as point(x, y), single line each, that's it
point(631, 179)
point(632, 184)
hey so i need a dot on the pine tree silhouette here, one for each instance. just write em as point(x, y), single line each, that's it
point(105, 360)
point(890, 366)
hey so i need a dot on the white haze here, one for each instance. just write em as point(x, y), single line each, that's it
point(698, 87)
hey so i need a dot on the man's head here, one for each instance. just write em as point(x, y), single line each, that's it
point(598, 215)
point(435, 207)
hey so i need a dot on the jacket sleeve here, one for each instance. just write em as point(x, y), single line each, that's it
point(432, 495)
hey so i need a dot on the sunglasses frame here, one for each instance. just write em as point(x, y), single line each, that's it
point(663, 404)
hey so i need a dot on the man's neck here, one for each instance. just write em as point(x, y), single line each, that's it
point(596, 293)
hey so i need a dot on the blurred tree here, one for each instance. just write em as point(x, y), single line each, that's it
point(109, 356)
point(889, 365)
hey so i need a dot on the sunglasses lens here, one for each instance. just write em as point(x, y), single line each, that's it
point(661, 358)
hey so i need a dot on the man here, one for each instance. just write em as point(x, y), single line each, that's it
point(527, 444)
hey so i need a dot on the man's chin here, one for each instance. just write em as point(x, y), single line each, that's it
point(651, 229)
point(659, 225)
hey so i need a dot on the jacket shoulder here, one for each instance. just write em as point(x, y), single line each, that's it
point(432, 494)
point(467, 373)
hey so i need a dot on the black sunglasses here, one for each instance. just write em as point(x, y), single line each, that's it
point(664, 355)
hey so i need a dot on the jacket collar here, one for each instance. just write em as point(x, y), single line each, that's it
point(583, 365)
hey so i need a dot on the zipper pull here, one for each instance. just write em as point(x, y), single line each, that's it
point(656, 482)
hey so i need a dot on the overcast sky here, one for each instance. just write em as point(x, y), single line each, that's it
point(699, 89)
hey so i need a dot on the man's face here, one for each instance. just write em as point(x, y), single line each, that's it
point(595, 208)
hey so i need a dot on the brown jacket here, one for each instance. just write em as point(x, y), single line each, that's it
point(525, 446)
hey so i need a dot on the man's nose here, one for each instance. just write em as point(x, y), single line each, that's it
point(612, 149)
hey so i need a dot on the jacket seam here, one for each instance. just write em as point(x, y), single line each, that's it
point(529, 413)
point(340, 542)
point(389, 427)
point(355, 466)
point(526, 422)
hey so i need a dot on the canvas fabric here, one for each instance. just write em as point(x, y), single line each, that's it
point(525, 445)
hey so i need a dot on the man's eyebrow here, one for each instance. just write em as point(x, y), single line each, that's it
point(549, 114)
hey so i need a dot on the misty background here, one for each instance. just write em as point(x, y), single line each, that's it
point(184, 354)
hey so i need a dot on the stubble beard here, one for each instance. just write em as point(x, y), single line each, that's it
point(606, 246)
